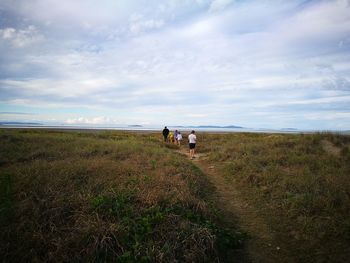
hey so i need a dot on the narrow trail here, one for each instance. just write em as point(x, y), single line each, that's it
point(261, 246)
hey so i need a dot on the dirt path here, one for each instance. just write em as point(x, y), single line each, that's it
point(262, 245)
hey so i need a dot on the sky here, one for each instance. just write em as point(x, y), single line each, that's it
point(251, 63)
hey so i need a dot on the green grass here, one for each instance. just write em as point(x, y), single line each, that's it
point(300, 188)
point(104, 197)
point(127, 197)
point(6, 202)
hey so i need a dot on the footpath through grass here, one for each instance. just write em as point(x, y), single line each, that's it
point(300, 184)
point(104, 197)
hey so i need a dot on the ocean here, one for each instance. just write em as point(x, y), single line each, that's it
point(137, 128)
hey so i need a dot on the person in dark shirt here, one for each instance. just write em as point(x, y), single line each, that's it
point(165, 133)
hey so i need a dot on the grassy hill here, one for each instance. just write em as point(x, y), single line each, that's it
point(104, 197)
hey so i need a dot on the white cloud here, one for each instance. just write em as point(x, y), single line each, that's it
point(8, 33)
point(140, 24)
point(73, 87)
point(218, 5)
point(196, 115)
point(177, 61)
point(92, 120)
point(327, 116)
point(22, 37)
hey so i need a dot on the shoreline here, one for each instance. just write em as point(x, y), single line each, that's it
point(154, 130)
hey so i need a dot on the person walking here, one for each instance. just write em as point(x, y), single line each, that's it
point(176, 132)
point(179, 138)
point(171, 137)
point(192, 139)
point(165, 133)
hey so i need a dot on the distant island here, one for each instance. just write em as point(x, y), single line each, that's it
point(289, 129)
point(211, 127)
point(135, 126)
point(19, 123)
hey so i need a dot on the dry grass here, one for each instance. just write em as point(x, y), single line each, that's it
point(102, 197)
point(300, 186)
point(127, 197)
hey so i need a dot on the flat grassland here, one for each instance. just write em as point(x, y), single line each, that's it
point(298, 184)
point(128, 197)
point(104, 197)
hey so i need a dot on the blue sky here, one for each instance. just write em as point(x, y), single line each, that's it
point(272, 64)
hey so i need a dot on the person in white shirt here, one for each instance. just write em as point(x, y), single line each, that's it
point(179, 138)
point(192, 139)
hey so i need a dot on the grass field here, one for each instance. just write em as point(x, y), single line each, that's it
point(104, 197)
point(128, 197)
point(299, 183)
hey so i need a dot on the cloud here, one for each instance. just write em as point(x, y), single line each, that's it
point(15, 113)
point(218, 5)
point(329, 116)
point(197, 115)
point(139, 24)
point(214, 61)
point(92, 120)
point(22, 37)
point(336, 83)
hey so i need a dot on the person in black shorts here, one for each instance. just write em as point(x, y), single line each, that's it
point(192, 139)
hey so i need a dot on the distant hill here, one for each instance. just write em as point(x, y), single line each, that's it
point(19, 123)
point(233, 127)
point(220, 127)
point(211, 127)
point(289, 129)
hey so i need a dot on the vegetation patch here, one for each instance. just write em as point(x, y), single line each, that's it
point(6, 199)
point(300, 187)
point(104, 197)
